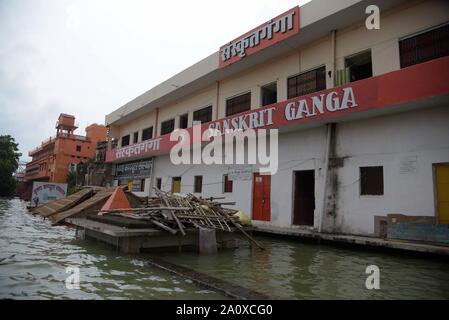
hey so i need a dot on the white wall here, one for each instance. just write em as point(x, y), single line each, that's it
point(386, 141)
point(212, 181)
point(381, 141)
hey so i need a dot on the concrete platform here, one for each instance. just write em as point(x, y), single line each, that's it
point(401, 245)
point(137, 240)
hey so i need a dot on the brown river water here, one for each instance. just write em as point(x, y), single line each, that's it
point(34, 258)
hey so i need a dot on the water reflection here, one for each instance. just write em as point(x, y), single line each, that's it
point(292, 270)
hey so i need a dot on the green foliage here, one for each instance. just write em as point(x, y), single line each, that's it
point(9, 162)
point(71, 183)
point(73, 189)
point(71, 179)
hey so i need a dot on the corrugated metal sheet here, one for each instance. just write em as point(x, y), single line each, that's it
point(56, 206)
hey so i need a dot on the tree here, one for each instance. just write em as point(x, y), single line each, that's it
point(71, 182)
point(9, 162)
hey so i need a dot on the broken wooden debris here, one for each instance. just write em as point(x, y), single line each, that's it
point(175, 213)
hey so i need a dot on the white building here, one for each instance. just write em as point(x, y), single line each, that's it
point(342, 168)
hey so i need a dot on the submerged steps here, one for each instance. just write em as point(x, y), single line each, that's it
point(229, 289)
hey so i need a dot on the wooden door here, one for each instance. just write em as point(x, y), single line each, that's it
point(304, 198)
point(176, 185)
point(261, 197)
point(442, 190)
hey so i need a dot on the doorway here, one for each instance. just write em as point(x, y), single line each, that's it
point(304, 198)
point(176, 185)
point(442, 192)
point(261, 197)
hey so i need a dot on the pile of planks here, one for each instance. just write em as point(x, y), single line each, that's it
point(175, 214)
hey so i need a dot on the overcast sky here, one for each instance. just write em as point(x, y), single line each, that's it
point(89, 57)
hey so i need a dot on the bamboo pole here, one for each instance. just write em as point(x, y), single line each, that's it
point(246, 234)
point(181, 228)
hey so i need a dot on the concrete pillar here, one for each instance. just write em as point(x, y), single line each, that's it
point(207, 241)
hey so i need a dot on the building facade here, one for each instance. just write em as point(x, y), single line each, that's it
point(52, 160)
point(362, 114)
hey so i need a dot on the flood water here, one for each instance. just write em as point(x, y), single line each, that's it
point(34, 257)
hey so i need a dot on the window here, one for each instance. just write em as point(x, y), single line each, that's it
point(238, 104)
point(269, 94)
point(227, 184)
point(176, 185)
point(204, 115)
point(167, 126)
point(147, 133)
point(135, 137)
point(198, 184)
point(307, 82)
point(183, 121)
point(142, 185)
point(159, 183)
point(125, 140)
point(371, 181)
point(424, 46)
point(78, 148)
point(360, 66)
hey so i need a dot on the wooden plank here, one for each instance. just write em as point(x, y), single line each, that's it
point(82, 207)
point(60, 205)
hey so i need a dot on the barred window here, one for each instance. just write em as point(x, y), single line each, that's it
point(307, 82)
point(204, 115)
point(371, 181)
point(147, 133)
point(424, 46)
point(238, 104)
point(125, 140)
point(167, 126)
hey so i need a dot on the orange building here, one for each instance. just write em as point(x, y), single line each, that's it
point(52, 159)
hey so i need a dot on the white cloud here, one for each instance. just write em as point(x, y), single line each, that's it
point(89, 57)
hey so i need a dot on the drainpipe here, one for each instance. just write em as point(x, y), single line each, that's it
point(334, 58)
point(155, 124)
point(217, 99)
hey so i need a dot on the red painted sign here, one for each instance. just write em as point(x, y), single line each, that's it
point(277, 29)
point(413, 83)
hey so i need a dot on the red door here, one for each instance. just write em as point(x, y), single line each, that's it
point(261, 197)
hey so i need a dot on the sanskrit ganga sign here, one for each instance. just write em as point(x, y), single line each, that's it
point(265, 35)
point(311, 106)
point(385, 91)
point(138, 148)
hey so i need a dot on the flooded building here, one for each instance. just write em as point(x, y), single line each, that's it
point(52, 159)
point(362, 114)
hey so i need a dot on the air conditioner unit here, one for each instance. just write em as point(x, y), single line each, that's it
point(342, 76)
